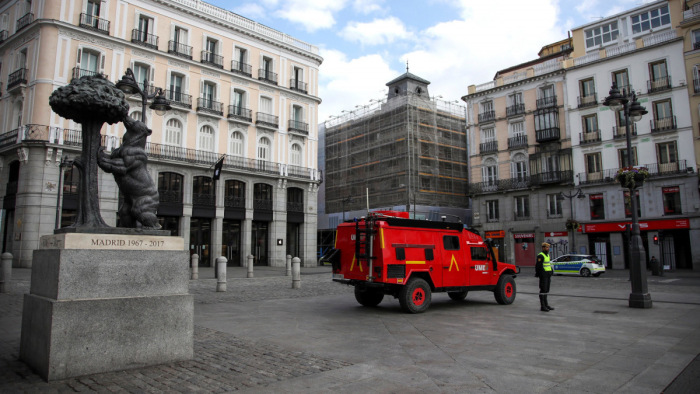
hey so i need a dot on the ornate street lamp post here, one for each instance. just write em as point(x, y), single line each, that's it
point(128, 85)
point(571, 195)
point(627, 101)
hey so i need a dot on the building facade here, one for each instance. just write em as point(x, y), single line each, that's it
point(238, 89)
point(405, 152)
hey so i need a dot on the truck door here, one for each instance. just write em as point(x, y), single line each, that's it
point(480, 267)
point(454, 266)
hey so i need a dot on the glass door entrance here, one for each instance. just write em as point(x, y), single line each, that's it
point(231, 242)
point(260, 242)
point(200, 240)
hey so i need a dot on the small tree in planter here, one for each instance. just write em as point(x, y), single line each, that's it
point(632, 177)
point(572, 224)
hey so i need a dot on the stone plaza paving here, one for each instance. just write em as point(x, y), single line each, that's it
point(263, 336)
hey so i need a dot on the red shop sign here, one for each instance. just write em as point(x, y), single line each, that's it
point(675, 189)
point(644, 225)
point(524, 235)
point(596, 196)
point(557, 234)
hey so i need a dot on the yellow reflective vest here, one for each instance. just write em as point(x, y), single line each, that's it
point(546, 266)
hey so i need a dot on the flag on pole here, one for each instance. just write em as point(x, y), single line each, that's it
point(218, 166)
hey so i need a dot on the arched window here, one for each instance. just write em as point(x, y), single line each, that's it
point(489, 172)
point(264, 149)
point(295, 199)
point(173, 132)
point(170, 187)
point(518, 167)
point(235, 194)
point(295, 158)
point(136, 115)
point(206, 138)
point(236, 143)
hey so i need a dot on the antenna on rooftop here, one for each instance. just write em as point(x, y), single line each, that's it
point(406, 65)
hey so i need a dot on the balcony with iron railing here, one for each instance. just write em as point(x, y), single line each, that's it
point(518, 141)
point(515, 109)
point(298, 127)
point(3, 35)
point(659, 84)
point(546, 102)
point(262, 205)
point(663, 125)
point(212, 59)
point(267, 76)
point(180, 49)
point(210, 106)
point(178, 99)
point(143, 38)
point(203, 199)
point(298, 85)
point(589, 137)
point(588, 101)
point(241, 68)
point(620, 132)
point(294, 206)
point(488, 147)
point(169, 196)
point(655, 170)
point(24, 21)
point(234, 202)
point(80, 72)
point(94, 23)
point(499, 185)
point(240, 113)
point(268, 120)
point(487, 116)
point(552, 177)
point(547, 135)
point(17, 78)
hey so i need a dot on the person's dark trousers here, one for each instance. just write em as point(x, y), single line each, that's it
point(544, 291)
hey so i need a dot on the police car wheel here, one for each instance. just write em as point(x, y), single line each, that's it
point(415, 297)
point(585, 272)
point(368, 297)
point(505, 290)
point(457, 295)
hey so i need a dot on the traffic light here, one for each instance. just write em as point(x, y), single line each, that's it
point(656, 239)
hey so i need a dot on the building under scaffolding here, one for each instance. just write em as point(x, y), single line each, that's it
point(405, 152)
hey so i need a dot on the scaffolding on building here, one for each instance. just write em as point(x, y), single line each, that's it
point(409, 150)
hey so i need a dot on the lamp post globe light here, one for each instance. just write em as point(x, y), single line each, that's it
point(129, 86)
point(632, 110)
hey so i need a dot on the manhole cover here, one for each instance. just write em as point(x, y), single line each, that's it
point(605, 312)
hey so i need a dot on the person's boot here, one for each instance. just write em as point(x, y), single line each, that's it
point(543, 306)
point(546, 304)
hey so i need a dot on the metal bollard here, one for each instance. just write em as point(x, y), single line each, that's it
point(194, 263)
point(6, 273)
point(221, 268)
point(250, 266)
point(289, 265)
point(296, 273)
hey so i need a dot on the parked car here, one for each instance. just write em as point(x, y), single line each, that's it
point(578, 264)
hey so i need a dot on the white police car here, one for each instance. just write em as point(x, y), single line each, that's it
point(578, 264)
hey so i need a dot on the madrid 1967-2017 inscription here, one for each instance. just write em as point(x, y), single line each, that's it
point(137, 243)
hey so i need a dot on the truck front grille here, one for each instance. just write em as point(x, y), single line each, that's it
point(395, 271)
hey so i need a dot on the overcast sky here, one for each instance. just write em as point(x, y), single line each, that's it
point(452, 43)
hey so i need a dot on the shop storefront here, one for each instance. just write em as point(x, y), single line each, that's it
point(498, 237)
point(559, 243)
point(524, 249)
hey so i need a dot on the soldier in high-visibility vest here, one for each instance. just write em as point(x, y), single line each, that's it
point(543, 270)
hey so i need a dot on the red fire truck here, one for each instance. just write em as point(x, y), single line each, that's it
point(384, 254)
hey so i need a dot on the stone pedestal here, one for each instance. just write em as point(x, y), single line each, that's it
point(103, 302)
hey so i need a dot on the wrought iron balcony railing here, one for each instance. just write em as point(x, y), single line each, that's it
point(262, 205)
point(515, 109)
point(143, 38)
point(180, 49)
point(24, 21)
point(299, 127)
point(659, 84)
point(499, 185)
point(487, 116)
point(212, 59)
point(170, 196)
point(546, 102)
point(293, 206)
point(589, 137)
point(240, 113)
point(205, 199)
point(178, 99)
point(588, 101)
point(17, 78)
point(487, 147)
point(655, 170)
point(661, 125)
point(298, 85)
point(80, 72)
point(241, 68)
point(234, 202)
point(546, 135)
point(94, 23)
point(620, 132)
point(517, 141)
point(552, 177)
point(267, 76)
point(210, 106)
point(264, 119)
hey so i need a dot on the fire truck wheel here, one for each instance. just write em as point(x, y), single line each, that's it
point(505, 290)
point(368, 297)
point(415, 296)
point(457, 295)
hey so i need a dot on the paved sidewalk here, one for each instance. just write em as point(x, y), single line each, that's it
point(263, 336)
